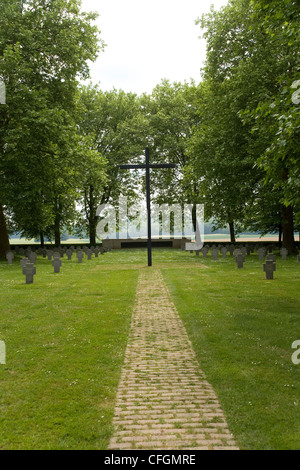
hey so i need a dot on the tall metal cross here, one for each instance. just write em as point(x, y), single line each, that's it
point(147, 167)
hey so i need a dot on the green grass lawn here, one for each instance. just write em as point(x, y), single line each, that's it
point(66, 336)
point(65, 339)
point(242, 328)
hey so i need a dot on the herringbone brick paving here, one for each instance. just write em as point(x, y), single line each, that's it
point(164, 400)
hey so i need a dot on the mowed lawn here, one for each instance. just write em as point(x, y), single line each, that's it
point(66, 336)
point(242, 327)
point(65, 339)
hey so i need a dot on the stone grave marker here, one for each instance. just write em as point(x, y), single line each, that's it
point(89, 253)
point(49, 254)
point(239, 259)
point(80, 256)
point(284, 252)
point(69, 254)
point(204, 251)
point(261, 252)
point(230, 249)
point(224, 251)
point(215, 253)
point(29, 270)
point(96, 251)
point(269, 267)
point(9, 257)
point(56, 263)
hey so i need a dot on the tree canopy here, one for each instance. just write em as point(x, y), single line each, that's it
point(234, 136)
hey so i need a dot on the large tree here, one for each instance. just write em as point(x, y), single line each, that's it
point(171, 111)
point(220, 161)
point(118, 131)
point(251, 64)
point(45, 46)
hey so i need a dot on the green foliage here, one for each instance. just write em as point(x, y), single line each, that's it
point(252, 62)
point(44, 49)
point(171, 112)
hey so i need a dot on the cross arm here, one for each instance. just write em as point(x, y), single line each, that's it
point(137, 167)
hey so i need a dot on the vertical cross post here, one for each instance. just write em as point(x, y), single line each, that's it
point(148, 197)
point(147, 167)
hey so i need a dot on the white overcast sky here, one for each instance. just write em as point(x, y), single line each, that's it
point(148, 41)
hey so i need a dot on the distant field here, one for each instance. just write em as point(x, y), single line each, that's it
point(23, 241)
point(208, 237)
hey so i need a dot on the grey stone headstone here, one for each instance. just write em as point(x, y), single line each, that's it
point(49, 254)
point(97, 251)
point(29, 270)
point(231, 249)
point(240, 258)
point(261, 252)
point(56, 263)
point(215, 253)
point(89, 253)
point(269, 267)
point(224, 251)
point(204, 251)
point(9, 257)
point(80, 256)
point(69, 254)
point(271, 256)
point(284, 252)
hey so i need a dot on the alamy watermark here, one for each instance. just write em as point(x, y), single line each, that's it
point(296, 354)
point(2, 92)
point(296, 94)
point(130, 222)
point(2, 353)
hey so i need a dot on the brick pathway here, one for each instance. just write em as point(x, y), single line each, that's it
point(164, 400)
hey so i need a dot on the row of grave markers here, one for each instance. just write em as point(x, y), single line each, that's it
point(27, 263)
point(240, 254)
point(232, 250)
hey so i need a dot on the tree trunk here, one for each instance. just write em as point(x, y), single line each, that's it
point(280, 235)
point(92, 216)
point(4, 239)
point(194, 217)
point(288, 229)
point(92, 230)
point(232, 235)
point(57, 230)
point(42, 238)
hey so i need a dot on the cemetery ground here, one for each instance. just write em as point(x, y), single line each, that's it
point(66, 336)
